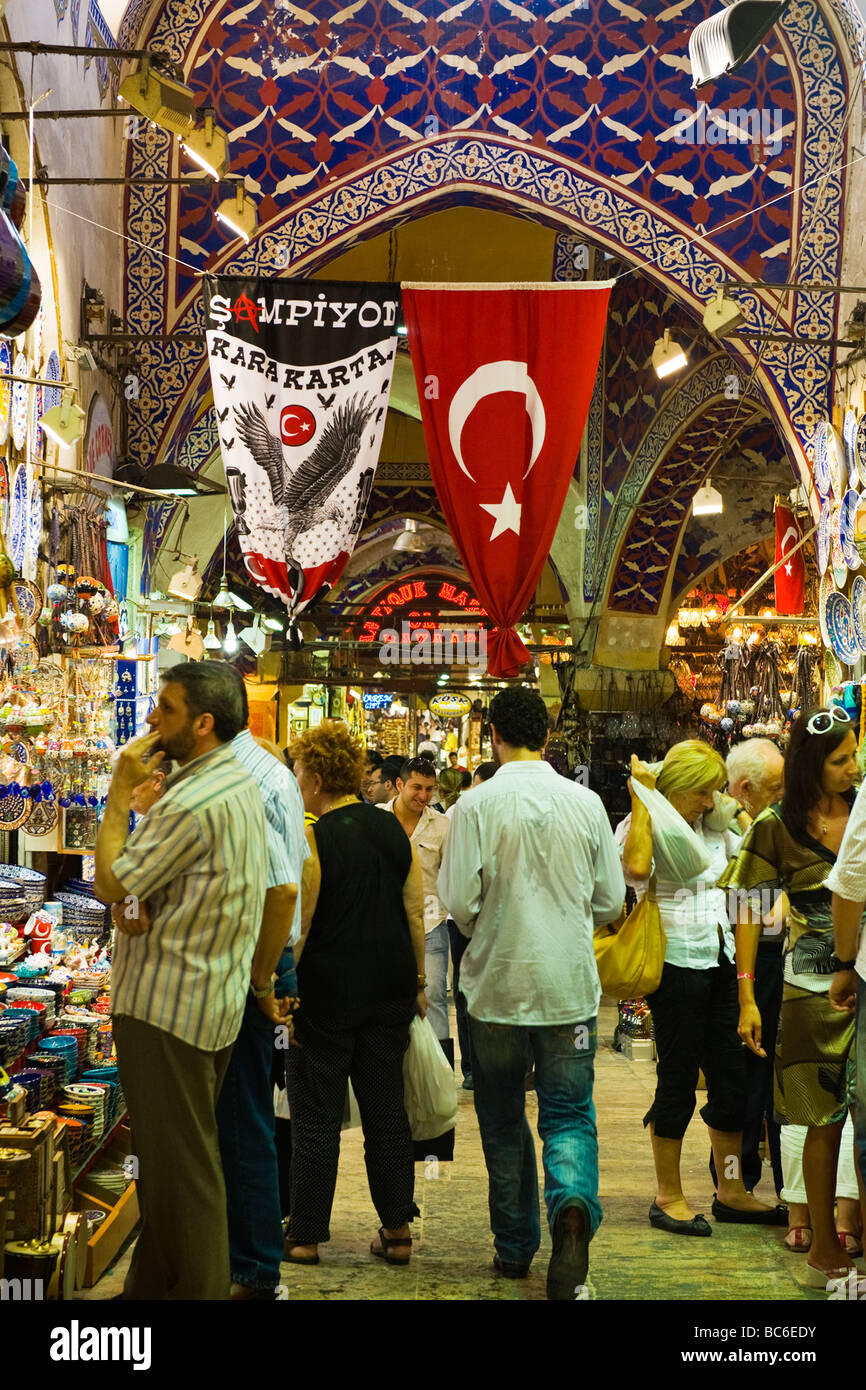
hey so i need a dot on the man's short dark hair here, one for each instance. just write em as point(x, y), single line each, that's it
point(214, 688)
point(424, 767)
point(519, 716)
point(391, 769)
point(484, 771)
point(374, 759)
point(452, 754)
point(465, 779)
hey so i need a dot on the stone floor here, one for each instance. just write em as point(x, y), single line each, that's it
point(629, 1260)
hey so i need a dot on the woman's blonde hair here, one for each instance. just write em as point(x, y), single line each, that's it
point(330, 752)
point(692, 766)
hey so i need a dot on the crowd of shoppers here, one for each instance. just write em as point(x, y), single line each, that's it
point(250, 928)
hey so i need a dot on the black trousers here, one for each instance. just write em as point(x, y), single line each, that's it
point(695, 1015)
point(759, 1073)
point(367, 1048)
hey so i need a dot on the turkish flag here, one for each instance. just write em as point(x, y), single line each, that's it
point(505, 377)
point(790, 578)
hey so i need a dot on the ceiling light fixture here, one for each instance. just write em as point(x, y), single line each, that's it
point(166, 102)
point(274, 625)
point(707, 501)
point(230, 641)
point(727, 40)
point(211, 641)
point(723, 315)
point(239, 214)
point(409, 539)
point(208, 147)
point(186, 583)
point(64, 424)
point(668, 356)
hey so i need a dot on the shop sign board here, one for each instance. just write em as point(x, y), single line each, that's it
point(450, 705)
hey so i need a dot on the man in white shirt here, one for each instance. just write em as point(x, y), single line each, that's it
point(428, 831)
point(847, 881)
point(529, 871)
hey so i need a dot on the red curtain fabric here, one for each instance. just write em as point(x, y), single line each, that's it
point(505, 375)
point(790, 578)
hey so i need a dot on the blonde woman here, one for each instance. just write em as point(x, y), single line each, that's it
point(695, 1009)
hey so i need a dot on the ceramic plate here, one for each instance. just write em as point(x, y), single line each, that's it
point(832, 670)
point(820, 469)
point(837, 556)
point(53, 395)
point(14, 811)
point(4, 496)
point(29, 599)
point(840, 625)
point(848, 528)
point(858, 610)
point(34, 525)
point(849, 434)
point(837, 466)
point(16, 538)
point(37, 410)
point(20, 402)
point(825, 588)
point(824, 523)
point(6, 391)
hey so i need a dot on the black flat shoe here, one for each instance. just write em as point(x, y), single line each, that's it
point(509, 1270)
point(775, 1216)
point(698, 1226)
point(569, 1261)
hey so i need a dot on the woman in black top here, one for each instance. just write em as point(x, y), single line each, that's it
point(361, 981)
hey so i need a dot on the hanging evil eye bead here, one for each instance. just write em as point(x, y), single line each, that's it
point(14, 789)
point(47, 788)
point(36, 794)
point(4, 790)
point(25, 793)
point(65, 801)
point(79, 799)
point(92, 801)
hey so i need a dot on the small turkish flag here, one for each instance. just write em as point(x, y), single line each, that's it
point(790, 577)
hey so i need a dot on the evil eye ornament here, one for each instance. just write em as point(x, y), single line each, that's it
point(57, 593)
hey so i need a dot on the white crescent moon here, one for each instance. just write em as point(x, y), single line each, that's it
point(792, 532)
point(488, 380)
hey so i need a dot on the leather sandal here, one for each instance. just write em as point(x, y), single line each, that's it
point(388, 1243)
point(799, 1245)
point(851, 1243)
point(822, 1278)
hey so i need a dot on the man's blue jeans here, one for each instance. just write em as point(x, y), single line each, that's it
point(436, 965)
point(245, 1119)
point(860, 1093)
point(564, 1070)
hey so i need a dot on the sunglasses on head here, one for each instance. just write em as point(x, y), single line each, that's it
point(825, 719)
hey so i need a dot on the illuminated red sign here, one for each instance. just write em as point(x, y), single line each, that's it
point(420, 603)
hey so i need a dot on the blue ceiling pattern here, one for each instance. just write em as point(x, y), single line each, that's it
point(348, 124)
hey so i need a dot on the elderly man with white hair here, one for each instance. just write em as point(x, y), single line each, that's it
point(756, 771)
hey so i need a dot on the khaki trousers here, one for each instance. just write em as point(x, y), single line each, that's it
point(171, 1089)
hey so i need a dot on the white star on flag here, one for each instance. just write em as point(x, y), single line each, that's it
point(505, 513)
point(789, 569)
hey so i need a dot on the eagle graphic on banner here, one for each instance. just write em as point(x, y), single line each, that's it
point(304, 497)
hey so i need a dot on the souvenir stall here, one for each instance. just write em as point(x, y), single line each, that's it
point(387, 723)
point(840, 479)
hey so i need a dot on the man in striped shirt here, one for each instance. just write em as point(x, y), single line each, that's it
point(245, 1110)
point(181, 973)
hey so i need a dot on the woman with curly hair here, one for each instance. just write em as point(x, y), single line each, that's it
point(361, 980)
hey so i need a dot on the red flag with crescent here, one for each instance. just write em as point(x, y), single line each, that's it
point(505, 375)
point(790, 577)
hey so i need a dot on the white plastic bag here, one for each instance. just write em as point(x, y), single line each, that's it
point(351, 1113)
point(678, 854)
point(429, 1089)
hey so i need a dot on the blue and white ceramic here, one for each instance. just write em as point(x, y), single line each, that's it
point(820, 469)
point(848, 528)
point(858, 610)
point(823, 542)
point(840, 626)
point(849, 434)
point(20, 402)
point(17, 534)
point(52, 395)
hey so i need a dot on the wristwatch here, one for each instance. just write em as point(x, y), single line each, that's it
point(838, 964)
point(261, 993)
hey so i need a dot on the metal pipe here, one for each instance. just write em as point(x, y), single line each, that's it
point(91, 478)
point(202, 180)
point(806, 288)
point(35, 48)
point(84, 114)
